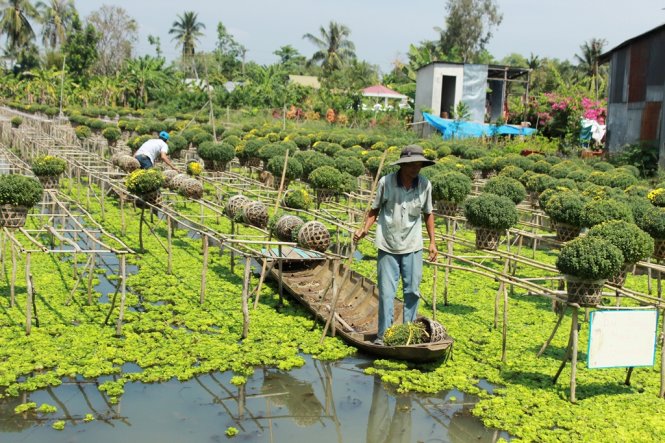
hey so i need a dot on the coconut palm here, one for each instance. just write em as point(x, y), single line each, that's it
point(589, 61)
point(186, 31)
point(15, 24)
point(335, 49)
point(144, 76)
point(56, 17)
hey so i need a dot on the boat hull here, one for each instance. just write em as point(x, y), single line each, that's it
point(356, 309)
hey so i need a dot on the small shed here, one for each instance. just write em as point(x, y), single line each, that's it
point(380, 91)
point(637, 92)
point(441, 86)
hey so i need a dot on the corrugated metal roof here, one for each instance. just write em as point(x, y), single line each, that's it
point(604, 58)
point(494, 72)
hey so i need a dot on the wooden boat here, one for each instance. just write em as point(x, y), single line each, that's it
point(356, 310)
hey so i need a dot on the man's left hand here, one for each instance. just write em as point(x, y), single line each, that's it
point(433, 252)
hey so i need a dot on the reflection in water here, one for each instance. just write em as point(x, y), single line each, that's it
point(322, 401)
point(384, 427)
point(298, 397)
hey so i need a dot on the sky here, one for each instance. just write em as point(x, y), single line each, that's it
point(382, 30)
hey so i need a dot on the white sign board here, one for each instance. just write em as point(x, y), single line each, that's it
point(622, 338)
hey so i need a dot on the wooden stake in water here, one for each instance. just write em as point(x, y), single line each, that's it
point(264, 264)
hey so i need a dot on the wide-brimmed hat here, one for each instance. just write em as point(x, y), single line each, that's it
point(412, 154)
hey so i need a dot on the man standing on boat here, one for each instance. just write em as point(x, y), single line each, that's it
point(401, 199)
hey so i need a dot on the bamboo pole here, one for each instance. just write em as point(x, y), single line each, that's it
point(573, 362)
point(662, 355)
point(29, 295)
point(264, 264)
point(12, 283)
point(245, 297)
point(549, 339)
point(504, 332)
point(204, 269)
point(169, 244)
point(123, 295)
point(123, 225)
point(90, 274)
point(434, 279)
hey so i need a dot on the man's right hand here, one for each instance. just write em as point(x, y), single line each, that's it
point(359, 235)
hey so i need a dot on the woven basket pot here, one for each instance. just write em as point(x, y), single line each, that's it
point(255, 213)
point(191, 188)
point(533, 199)
point(144, 201)
point(620, 279)
point(169, 175)
point(487, 238)
point(178, 180)
point(49, 181)
point(115, 159)
point(659, 248)
point(235, 204)
point(128, 163)
point(250, 162)
point(285, 227)
point(447, 208)
point(13, 216)
point(325, 195)
point(314, 235)
point(586, 293)
point(435, 330)
point(566, 232)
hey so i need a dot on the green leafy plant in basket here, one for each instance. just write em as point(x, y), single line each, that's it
point(634, 243)
point(276, 166)
point(16, 121)
point(590, 258)
point(325, 177)
point(450, 186)
point(596, 212)
point(144, 181)
point(564, 206)
point(491, 211)
point(48, 165)
point(82, 132)
point(507, 187)
point(19, 190)
point(406, 334)
point(111, 134)
point(297, 199)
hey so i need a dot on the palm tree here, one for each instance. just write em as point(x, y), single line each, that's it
point(186, 31)
point(145, 75)
point(334, 47)
point(56, 17)
point(14, 22)
point(589, 61)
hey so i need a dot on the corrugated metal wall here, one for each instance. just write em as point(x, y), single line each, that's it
point(637, 94)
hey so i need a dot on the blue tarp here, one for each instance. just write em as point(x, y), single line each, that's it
point(461, 129)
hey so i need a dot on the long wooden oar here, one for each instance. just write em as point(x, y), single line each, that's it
point(349, 259)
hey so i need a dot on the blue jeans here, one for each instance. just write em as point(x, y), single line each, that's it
point(144, 161)
point(390, 267)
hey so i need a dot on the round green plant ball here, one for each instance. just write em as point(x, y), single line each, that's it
point(590, 258)
point(491, 211)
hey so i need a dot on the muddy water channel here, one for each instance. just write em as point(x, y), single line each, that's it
point(329, 402)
